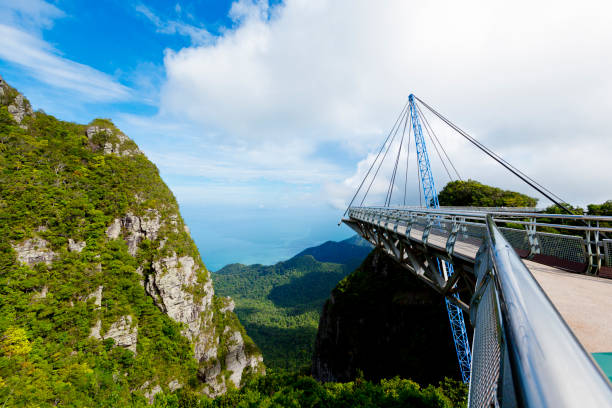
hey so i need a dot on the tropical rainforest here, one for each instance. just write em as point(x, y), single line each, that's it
point(93, 254)
point(279, 305)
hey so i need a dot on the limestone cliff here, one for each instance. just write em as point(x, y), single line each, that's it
point(91, 233)
point(382, 321)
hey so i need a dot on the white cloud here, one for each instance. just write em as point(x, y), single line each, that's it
point(43, 63)
point(33, 14)
point(198, 35)
point(531, 80)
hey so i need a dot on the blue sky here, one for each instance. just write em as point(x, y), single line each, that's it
point(264, 116)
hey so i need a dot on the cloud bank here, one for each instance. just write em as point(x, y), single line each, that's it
point(531, 80)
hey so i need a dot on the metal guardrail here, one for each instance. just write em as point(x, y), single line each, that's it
point(524, 352)
point(589, 249)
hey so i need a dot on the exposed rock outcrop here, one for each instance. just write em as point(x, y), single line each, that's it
point(174, 385)
point(97, 296)
point(18, 106)
point(122, 331)
point(150, 394)
point(229, 306)
point(236, 360)
point(74, 246)
point(169, 286)
point(384, 322)
point(114, 141)
point(136, 228)
point(33, 251)
point(183, 291)
point(42, 294)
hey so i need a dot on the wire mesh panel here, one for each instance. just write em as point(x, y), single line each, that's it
point(566, 247)
point(607, 244)
point(486, 348)
point(473, 231)
point(516, 237)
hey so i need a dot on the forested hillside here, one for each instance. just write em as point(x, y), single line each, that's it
point(279, 305)
point(104, 300)
point(381, 321)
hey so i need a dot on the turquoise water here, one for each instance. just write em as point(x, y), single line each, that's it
point(605, 362)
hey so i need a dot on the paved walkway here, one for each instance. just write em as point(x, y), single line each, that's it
point(585, 302)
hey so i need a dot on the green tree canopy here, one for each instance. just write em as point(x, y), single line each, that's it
point(471, 193)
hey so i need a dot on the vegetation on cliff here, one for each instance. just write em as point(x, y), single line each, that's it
point(281, 389)
point(279, 305)
point(383, 322)
point(88, 233)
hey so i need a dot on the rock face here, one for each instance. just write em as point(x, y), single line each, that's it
point(168, 287)
point(74, 246)
point(122, 259)
point(18, 106)
point(114, 141)
point(122, 331)
point(236, 360)
point(33, 251)
point(182, 289)
point(136, 228)
point(384, 322)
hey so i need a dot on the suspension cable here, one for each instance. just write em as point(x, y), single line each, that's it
point(383, 158)
point(525, 178)
point(407, 163)
point(436, 147)
point(399, 152)
point(436, 137)
point(374, 162)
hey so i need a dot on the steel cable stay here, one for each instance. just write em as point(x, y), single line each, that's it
point(399, 151)
point(521, 175)
point(377, 156)
point(427, 125)
point(407, 163)
point(382, 160)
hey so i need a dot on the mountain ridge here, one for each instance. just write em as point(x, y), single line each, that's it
point(279, 304)
point(100, 281)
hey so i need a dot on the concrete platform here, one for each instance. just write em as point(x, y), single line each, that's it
point(584, 302)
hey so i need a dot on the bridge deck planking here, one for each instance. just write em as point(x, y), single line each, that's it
point(584, 302)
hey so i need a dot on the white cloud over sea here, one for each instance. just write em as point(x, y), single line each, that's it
point(531, 80)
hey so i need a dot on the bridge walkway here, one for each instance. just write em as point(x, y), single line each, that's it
point(584, 302)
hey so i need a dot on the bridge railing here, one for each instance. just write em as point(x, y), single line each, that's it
point(524, 354)
point(586, 250)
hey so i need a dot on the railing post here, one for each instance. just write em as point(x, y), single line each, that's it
point(427, 230)
point(534, 242)
point(452, 238)
point(592, 242)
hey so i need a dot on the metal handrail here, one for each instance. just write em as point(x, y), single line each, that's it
point(483, 213)
point(503, 217)
point(550, 367)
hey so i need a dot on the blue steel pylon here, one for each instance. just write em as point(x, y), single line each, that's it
point(455, 315)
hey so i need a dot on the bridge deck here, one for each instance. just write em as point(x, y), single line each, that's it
point(585, 302)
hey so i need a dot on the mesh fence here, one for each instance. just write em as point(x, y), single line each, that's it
point(486, 352)
point(570, 248)
point(517, 238)
point(562, 246)
point(607, 244)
